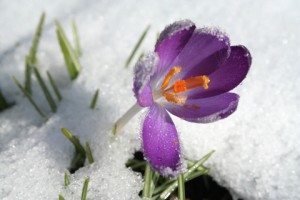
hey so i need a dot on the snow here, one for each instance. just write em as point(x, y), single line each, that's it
point(257, 148)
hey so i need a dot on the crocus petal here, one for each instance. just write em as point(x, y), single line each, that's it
point(160, 142)
point(204, 46)
point(143, 71)
point(228, 76)
point(171, 42)
point(209, 64)
point(206, 110)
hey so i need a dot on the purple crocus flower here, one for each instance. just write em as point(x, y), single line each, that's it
point(189, 75)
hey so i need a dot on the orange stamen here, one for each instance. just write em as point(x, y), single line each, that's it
point(171, 93)
point(179, 86)
point(191, 83)
point(173, 98)
point(197, 81)
point(175, 70)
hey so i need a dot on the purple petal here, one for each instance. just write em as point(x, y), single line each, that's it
point(171, 41)
point(228, 76)
point(201, 50)
point(161, 143)
point(206, 110)
point(143, 70)
point(209, 64)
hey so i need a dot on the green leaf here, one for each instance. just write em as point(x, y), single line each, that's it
point(45, 89)
point(147, 182)
point(31, 58)
point(54, 86)
point(67, 179)
point(70, 56)
point(89, 154)
point(33, 103)
point(181, 187)
point(74, 140)
point(85, 188)
point(80, 154)
point(136, 47)
point(94, 100)
point(76, 38)
point(60, 197)
point(187, 176)
point(27, 82)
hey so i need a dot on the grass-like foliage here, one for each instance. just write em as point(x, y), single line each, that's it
point(29, 97)
point(158, 187)
point(76, 38)
point(54, 86)
point(80, 153)
point(45, 89)
point(70, 55)
point(85, 188)
point(31, 57)
point(137, 46)
point(67, 179)
point(94, 100)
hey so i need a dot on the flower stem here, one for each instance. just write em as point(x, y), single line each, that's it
point(148, 181)
point(181, 188)
point(125, 118)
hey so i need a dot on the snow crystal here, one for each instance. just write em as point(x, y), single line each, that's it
point(257, 148)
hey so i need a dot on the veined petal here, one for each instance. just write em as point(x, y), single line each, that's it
point(228, 76)
point(201, 51)
point(171, 41)
point(143, 71)
point(161, 143)
point(206, 110)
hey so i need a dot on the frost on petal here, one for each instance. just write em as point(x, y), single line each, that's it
point(143, 71)
point(174, 28)
point(203, 44)
point(161, 143)
point(170, 43)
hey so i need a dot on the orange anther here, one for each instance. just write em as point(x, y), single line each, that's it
point(168, 77)
point(197, 81)
point(173, 98)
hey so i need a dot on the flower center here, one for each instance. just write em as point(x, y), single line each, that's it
point(173, 93)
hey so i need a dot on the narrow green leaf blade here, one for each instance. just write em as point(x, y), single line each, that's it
point(71, 59)
point(165, 194)
point(76, 38)
point(27, 83)
point(60, 197)
point(31, 58)
point(94, 100)
point(36, 39)
point(147, 183)
point(181, 187)
point(85, 188)
point(67, 179)
point(54, 86)
point(33, 103)
point(74, 140)
point(136, 47)
point(89, 154)
point(45, 89)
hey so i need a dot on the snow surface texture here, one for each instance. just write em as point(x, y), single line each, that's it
point(257, 149)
